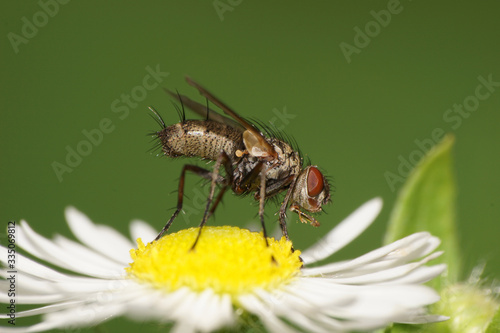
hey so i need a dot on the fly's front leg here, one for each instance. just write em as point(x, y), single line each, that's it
point(222, 159)
point(188, 167)
point(282, 220)
point(303, 217)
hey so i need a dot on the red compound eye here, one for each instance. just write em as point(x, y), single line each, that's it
point(314, 182)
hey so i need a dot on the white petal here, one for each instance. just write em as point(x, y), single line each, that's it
point(423, 319)
point(386, 301)
point(53, 253)
point(45, 309)
point(182, 314)
point(206, 310)
point(384, 275)
point(308, 323)
point(145, 306)
point(31, 247)
point(40, 327)
point(403, 295)
point(271, 321)
point(25, 285)
point(217, 313)
point(85, 315)
point(156, 304)
point(28, 285)
point(384, 257)
point(309, 295)
point(226, 313)
point(88, 311)
point(183, 327)
point(343, 233)
point(38, 299)
point(24, 264)
point(420, 275)
point(201, 310)
point(298, 311)
point(77, 250)
point(101, 238)
point(143, 230)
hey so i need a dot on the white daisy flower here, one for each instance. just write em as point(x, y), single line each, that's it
point(230, 272)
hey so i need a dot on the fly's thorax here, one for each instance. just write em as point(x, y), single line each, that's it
point(311, 190)
point(201, 138)
point(287, 163)
point(280, 171)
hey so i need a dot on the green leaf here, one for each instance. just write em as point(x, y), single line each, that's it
point(494, 326)
point(427, 203)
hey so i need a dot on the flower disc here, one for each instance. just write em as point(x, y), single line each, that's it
point(226, 259)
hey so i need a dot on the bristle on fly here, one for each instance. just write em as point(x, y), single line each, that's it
point(156, 139)
point(157, 118)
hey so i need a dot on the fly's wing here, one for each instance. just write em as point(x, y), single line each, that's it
point(205, 111)
point(255, 143)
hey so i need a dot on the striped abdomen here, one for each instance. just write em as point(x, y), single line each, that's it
point(202, 138)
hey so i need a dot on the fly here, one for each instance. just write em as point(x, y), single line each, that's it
point(253, 162)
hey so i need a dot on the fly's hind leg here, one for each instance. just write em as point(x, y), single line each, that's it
point(223, 159)
point(188, 167)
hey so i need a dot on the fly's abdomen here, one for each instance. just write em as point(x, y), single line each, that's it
point(202, 138)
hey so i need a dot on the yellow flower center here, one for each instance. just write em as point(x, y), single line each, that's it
point(226, 259)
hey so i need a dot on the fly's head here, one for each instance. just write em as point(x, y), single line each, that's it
point(310, 192)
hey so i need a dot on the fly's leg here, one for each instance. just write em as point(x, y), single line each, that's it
point(188, 167)
point(217, 200)
point(261, 203)
point(282, 220)
point(259, 170)
point(228, 181)
point(222, 159)
point(282, 213)
point(261, 208)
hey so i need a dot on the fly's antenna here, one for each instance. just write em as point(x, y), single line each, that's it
point(157, 117)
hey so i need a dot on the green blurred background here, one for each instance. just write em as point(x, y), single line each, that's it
point(355, 114)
